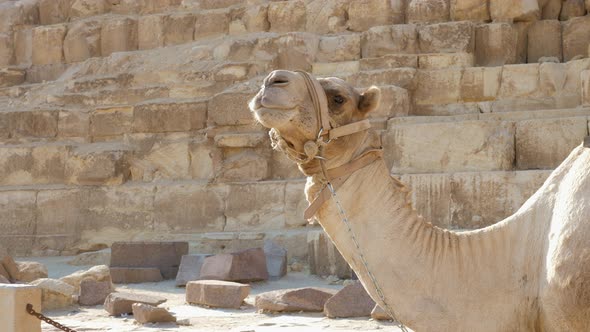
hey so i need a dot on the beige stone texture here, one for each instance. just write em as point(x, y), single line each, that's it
point(30, 271)
point(585, 80)
point(97, 165)
point(496, 44)
point(519, 81)
point(33, 124)
point(12, 317)
point(522, 29)
point(211, 24)
point(82, 41)
point(335, 68)
point(96, 273)
point(11, 77)
point(576, 37)
point(324, 259)
point(37, 165)
point(58, 213)
point(255, 207)
point(229, 109)
point(240, 140)
point(389, 62)
point(135, 275)
point(100, 257)
point(286, 16)
point(445, 60)
point(550, 9)
point(395, 101)
point(6, 49)
point(23, 46)
point(450, 147)
point(118, 35)
point(118, 303)
point(169, 116)
point(53, 11)
point(87, 8)
point(438, 86)
point(217, 293)
point(428, 11)
point(431, 196)
point(163, 160)
point(480, 83)
point(205, 159)
point(402, 77)
point(43, 73)
point(295, 204)
point(517, 10)
point(48, 44)
point(382, 40)
point(379, 313)
point(544, 40)
point(111, 121)
point(544, 143)
point(297, 51)
point(179, 28)
point(56, 294)
point(470, 10)
point(339, 48)
point(150, 31)
point(446, 37)
point(571, 9)
point(364, 14)
point(552, 78)
point(326, 16)
point(73, 124)
point(145, 313)
point(18, 213)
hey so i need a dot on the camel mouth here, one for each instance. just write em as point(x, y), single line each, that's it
point(270, 115)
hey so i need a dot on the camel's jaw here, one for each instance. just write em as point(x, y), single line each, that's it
point(273, 107)
point(272, 117)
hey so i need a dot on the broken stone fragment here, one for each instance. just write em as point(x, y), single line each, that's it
point(245, 266)
point(299, 299)
point(190, 269)
point(94, 292)
point(217, 293)
point(350, 301)
point(145, 313)
point(121, 303)
point(56, 294)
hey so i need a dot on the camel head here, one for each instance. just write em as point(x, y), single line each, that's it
point(284, 105)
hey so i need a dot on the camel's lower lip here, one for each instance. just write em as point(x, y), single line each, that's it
point(273, 118)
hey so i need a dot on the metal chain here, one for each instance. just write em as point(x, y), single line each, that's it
point(364, 261)
point(47, 320)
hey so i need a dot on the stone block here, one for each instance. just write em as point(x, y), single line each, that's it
point(53, 11)
point(364, 14)
point(230, 108)
point(118, 35)
point(23, 46)
point(56, 294)
point(571, 9)
point(240, 140)
point(87, 8)
point(165, 256)
point(97, 164)
point(519, 81)
point(297, 51)
point(496, 44)
point(428, 11)
point(276, 259)
point(211, 24)
point(448, 37)
point(13, 318)
point(33, 124)
point(480, 83)
point(517, 10)
point(450, 147)
point(585, 84)
point(576, 37)
point(162, 160)
point(287, 16)
point(335, 68)
point(179, 28)
point(100, 257)
point(30, 271)
point(94, 292)
point(544, 40)
point(217, 293)
point(552, 77)
point(445, 60)
point(11, 77)
point(395, 101)
point(401, 77)
point(11, 267)
point(18, 215)
point(82, 41)
point(389, 62)
point(255, 207)
point(166, 116)
point(545, 143)
point(4, 274)
point(150, 31)
point(308, 299)
point(324, 17)
point(73, 124)
point(470, 10)
point(351, 301)
point(242, 266)
point(295, 205)
point(121, 303)
point(36, 165)
point(190, 269)
point(98, 273)
point(438, 86)
point(145, 313)
point(383, 40)
point(339, 48)
point(48, 44)
point(111, 121)
point(6, 49)
point(323, 257)
point(135, 275)
point(42, 73)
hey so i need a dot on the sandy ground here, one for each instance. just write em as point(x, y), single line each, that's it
point(246, 319)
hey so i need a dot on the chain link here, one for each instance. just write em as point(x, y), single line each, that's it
point(344, 218)
point(47, 320)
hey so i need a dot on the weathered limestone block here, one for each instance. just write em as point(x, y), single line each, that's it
point(18, 209)
point(389, 62)
point(166, 116)
point(217, 293)
point(121, 303)
point(211, 24)
point(82, 41)
point(428, 11)
point(179, 28)
point(550, 9)
point(298, 299)
point(11, 77)
point(204, 159)
point(545, 143)
point(544, 40)
point(23, 46)
point(519, 81)
point(240, 140)
point(87, 8)
point(350, 301)
point(211, 4)
point(480, 83)
point(576, 37)
point(449, 147)
point(40, 164)
point(165, 256)
point(297, 51)
point(254, 207)
point(326, 16)
point(53, 11)
point(100, 257)
point(190, 269)
point(276, 259)
point(48, 44)
point(230, 108)
point(514, 10)
point(438, 86)
point(323, 257)
point(402, 77)
point(496, 44)
point(295, 205)
point(56, 293)
point(585, 80)
point(552, 78)
point(174, 208)
point(150, 31)
point(97, 164)
point(6, 49)
point(12, 316)
point(395, 101)
point(10, 267)
point(162, 160)
point(17, 13)
point(33, 124)
point(445, 60)
point(118, 35)
point(145, 313)
point(522, 29)
point(571, 9)
point(99, 273)
point(135, 275)
point(111, 121)
point(94, 292)
point(470, 10)
point(482, 199)
point(242, 266)
point(364, 14)
point(286, 16)
point(335, 68)
point(339, 48)
point(30, 271)
point(73, 124)
point(446, 37)
point(383, 40)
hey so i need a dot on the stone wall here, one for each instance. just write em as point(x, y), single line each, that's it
point(128, 120)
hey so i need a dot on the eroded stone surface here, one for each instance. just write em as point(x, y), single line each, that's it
point(216, 293)
point(121, 303)
point(145, 313)
point(247, 265)
point(288, 300)
point(350, 301)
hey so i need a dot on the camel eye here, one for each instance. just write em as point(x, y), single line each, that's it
point(338, 99)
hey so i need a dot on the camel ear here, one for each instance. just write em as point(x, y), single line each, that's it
point(369, 100)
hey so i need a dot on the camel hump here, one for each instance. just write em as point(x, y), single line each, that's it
point(587, 142)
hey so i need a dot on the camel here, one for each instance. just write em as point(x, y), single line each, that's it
point(528, 272)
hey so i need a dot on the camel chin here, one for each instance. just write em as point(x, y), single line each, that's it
point(274, 118)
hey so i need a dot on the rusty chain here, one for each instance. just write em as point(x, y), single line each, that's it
point(47, 320)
